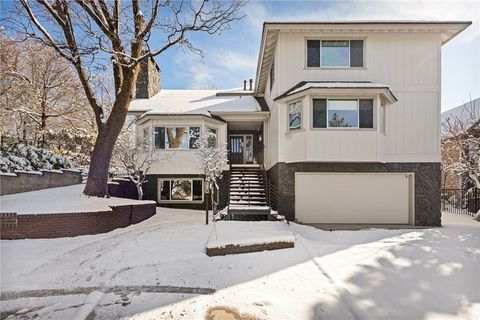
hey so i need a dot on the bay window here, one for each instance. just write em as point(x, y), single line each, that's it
point(295, 115)
point(342, 113)
point(176, 137)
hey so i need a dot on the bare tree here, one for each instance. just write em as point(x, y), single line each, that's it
point(137, 161)
point(213, 158)
point(461, 145)
point(38, 92)
point(98, 34)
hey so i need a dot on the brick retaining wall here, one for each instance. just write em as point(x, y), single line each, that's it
point(35, 226)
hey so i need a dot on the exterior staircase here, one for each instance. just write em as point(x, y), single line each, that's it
point(248, 199)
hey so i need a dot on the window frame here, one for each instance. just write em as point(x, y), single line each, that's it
point(207, 128)
point(166, 139)
point(374, 112)
point(159, 191)
point(295, 129)
point(349, 52)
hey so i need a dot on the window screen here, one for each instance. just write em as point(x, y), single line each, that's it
point(366, 113)
point(319, 113)
point(313, 53)
point(356, 53)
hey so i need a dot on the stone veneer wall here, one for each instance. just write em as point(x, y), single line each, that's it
point(148, 81)
point(24, 181)
point(56, 225)
point(427, 184)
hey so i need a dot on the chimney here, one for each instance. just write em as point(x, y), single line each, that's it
point(244, 85)
point(148, 81)
point(251, 84)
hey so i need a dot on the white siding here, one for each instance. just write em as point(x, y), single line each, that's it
point(408, 62)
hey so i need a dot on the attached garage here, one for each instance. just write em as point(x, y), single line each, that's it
point(362, 198)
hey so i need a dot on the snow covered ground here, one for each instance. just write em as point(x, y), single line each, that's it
point(367, 274)
point(243, 233)
point(59, 200)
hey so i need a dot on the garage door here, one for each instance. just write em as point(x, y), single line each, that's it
point(369, 198)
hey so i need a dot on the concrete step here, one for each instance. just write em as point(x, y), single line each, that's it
point(248, 203)
point(236, 188)
point(247, 184)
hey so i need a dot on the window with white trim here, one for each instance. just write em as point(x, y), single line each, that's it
point(181, 189)
point(295, 115)
point(176, 137)
point(212, 137)
point(335, 53)
point(342, 113)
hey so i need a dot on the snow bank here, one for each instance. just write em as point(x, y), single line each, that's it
point(242, 233)
point(60, 200)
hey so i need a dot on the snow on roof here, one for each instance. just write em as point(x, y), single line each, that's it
point(468, 113)
point(304, 85)
point(201, 102)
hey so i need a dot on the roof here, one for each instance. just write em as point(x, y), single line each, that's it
point(306, 85)
point(447, 30)
point(361, 22)
point(468, 113)
point(195, 102)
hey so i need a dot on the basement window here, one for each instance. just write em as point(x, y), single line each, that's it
point(336, 113)
point(181, 190)
point(335, 53)
point(176, 137)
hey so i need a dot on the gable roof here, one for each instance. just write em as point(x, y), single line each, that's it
point(447, 29)
point(195, 102)
point(306, 85)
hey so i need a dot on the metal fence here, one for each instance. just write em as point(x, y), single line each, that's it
point(461, 201)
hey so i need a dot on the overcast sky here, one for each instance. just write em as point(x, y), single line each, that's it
point(232, 56)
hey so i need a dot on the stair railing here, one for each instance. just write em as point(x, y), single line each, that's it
point(271, 192)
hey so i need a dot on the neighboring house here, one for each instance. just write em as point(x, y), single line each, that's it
point(462, 118)
point(344, 118)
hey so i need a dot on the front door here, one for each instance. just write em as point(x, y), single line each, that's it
point(241, 149)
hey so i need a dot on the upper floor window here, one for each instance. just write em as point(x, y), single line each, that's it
point(295, 115)
point(335, 113)
point(335, 53)
point(176, 137)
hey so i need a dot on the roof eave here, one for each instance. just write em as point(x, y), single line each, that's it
point(386, 92)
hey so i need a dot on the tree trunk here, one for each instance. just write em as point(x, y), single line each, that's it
point(140, 191)
point(102, 153)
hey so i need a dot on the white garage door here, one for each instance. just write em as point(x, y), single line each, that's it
point(353, 198)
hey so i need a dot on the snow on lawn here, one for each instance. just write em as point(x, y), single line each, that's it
point(59, 200)
point(367, 274)
point(249, 233)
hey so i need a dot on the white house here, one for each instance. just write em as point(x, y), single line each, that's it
point(343, 124)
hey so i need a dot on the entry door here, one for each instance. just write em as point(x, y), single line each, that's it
point(236, 149)
point(241, 149)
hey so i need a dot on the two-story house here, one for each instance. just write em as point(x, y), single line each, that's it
point(343, 120)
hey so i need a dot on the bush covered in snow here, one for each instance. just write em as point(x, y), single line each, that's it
point(30, 158)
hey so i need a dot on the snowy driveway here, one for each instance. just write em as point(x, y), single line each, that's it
point(367, 274)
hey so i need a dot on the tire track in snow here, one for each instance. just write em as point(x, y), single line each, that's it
point(12, 295)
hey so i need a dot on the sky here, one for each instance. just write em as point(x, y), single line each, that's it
point(231, 57)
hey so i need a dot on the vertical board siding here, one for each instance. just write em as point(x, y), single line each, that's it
point(408, 62)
